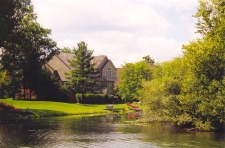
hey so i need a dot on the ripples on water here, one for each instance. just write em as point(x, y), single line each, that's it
point(101, 132)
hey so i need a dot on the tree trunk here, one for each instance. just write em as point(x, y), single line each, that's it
point(30, 93)
point(24, 93)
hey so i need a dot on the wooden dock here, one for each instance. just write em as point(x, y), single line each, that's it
point(114, 110)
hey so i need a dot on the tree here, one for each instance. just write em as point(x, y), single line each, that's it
point(26, 52)
point(206, 60)
point(11, 14)
point(191, 91)
point(204, 94)
point(66, 50)
point(36, 48)
point(149, 60)
point(132, 75)
point(4, 81)
point(160, 95)
point(48, 87)
point(82, 69)
point(210, 16)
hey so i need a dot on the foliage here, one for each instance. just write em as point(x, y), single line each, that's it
point(78, 97)
point(89, 98)
point(206, 61)
point(132, 75)
point(48, 88)
point(82, 69)
point(190, 90)
point(11, 14)
point(4, 81)
point(183, 91)
point(66, 50)
point(26, 52)
point(211, 18)
point(160, 94)
point(149, 60)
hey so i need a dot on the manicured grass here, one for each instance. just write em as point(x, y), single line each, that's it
point(48, 108)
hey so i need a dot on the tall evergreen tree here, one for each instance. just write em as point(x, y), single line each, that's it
point(82, 69)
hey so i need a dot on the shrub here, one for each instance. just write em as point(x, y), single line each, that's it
point(94, 98)
point(78, 98)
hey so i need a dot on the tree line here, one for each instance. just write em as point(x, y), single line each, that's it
point(188, 90)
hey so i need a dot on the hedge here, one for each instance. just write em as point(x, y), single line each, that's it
point(95, 99)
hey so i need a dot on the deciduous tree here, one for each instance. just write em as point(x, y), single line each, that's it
point(191, 91)
point(26, 51)
point(132, 75)
point(11, 14)
point(149, 60)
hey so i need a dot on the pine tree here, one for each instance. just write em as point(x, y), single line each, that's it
point(82, 70)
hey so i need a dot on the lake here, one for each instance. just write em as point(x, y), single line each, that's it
point(111, 131)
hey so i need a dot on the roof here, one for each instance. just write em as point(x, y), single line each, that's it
point(65, 57)
point(61, 64)
point(56, 64)
point(100, 61)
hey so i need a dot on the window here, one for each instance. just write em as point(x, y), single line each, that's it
point(109, 72)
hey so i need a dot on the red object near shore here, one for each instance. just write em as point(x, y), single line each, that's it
point(7, 107)
point(132, 106)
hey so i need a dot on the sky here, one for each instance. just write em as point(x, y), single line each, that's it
point(123, 30)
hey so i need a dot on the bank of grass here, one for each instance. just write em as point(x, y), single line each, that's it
point(48, 108)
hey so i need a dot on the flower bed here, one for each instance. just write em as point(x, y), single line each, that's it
point(7, 107)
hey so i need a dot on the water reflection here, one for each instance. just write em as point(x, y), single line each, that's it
point(101, 131)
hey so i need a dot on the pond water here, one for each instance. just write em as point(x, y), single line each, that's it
point(101, 131)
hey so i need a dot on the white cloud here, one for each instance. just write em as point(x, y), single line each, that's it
point(124, 30)
point(178, 5)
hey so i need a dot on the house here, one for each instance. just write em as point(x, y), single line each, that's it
point(59, 64)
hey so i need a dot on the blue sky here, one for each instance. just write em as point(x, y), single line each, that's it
point(123, 30)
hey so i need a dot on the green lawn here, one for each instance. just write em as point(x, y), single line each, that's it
point(48, 108)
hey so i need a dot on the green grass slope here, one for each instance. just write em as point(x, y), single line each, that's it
point(48, 108)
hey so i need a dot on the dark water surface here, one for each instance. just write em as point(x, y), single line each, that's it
point(107, 131)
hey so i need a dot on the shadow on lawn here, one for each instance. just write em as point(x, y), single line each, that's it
point(47, 113)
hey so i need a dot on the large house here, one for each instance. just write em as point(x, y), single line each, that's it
point(59, 64)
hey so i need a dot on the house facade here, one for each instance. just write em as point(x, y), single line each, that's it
point(106, 78)
point(107, 73)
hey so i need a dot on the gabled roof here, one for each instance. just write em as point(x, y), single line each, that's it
point(61, 64)
point(100, 61)
point(109, 61)
point(57, 64)
point(64, 57)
